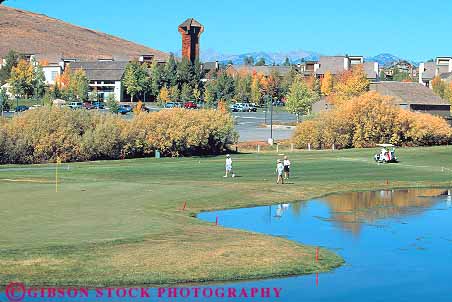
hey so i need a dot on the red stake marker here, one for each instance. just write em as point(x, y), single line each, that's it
point(317, 255)
point(185, 205)
point(216, 221)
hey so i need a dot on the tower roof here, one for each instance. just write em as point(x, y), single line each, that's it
point(190, 22)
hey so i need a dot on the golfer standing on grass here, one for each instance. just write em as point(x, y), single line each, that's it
point(279, 172)
point(229, 166)
point(286, 163)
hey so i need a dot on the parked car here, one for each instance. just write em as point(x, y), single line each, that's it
point(253, 107)
point(144, 109)
point(21, 108)
point(88, 106)
point(170, 105)
point(279, 103)
point(75, 105)
point(190, 105)
point(35, 107)
point(124, 109)
point(98, 105)
point(233, 108)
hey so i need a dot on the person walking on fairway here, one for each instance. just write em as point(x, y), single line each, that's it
point(279, 172)
point(229, 166)
point(286, 164)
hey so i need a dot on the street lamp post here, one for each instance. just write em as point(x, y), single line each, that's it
point(271, 119)
point(1, 103)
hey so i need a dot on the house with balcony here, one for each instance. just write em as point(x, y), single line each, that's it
point(438, 67)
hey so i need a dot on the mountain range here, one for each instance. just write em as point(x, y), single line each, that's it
point(295, 57)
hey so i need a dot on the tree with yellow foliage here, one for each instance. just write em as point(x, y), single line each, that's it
point(327, 84)
point(164, 96)
point(256, 89)
point(351, 83)
point(22, 79)
point(439, 87)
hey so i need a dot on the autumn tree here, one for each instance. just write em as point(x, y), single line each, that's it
point(300, 98)
point(439, 87)
point(351, 83)
point(174, 94)
point(79, 85)
point(256, 89)
point(22, 79)
point(197, 93)
point(327, 84)
point(164, 95)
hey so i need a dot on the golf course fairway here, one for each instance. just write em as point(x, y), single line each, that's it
point(115, 223)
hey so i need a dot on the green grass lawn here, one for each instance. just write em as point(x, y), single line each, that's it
point(121, 223)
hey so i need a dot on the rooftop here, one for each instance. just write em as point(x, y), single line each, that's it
point(409, 93)
point(102, 71)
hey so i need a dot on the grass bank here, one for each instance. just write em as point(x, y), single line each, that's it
point(121, 222)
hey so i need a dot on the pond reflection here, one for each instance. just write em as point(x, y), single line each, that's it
point(397, 244)
point(351, 210)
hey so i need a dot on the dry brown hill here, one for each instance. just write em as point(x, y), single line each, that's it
point(50, 38)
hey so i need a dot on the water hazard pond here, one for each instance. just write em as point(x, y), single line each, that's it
point(397, 246)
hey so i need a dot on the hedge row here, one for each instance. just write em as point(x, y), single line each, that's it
point(368, 120)
point(42, 135)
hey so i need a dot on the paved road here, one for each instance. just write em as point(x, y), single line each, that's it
point(250, 125)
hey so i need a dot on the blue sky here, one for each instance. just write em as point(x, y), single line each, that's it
point(412, 29)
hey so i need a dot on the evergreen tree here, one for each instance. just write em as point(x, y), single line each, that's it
point(38, 82)
point(197, 74)
point(186, 94)
point(286, 62)
point(170, 69)
point(243, 88)
point(260, 62)
point(156, 79)
point(112, 104)
point(210, 94)
point(225, 87)
point(184, 72)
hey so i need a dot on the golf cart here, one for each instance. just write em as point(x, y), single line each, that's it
point(385, 155)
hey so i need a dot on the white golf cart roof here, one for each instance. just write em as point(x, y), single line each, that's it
point(385, 145)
